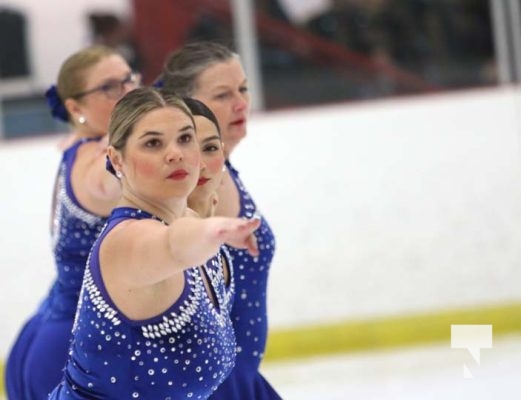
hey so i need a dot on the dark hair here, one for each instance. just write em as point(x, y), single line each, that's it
point(198, 108)
point(183, 66)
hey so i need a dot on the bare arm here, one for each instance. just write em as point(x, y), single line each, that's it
point(145, 252)
point(94, 186)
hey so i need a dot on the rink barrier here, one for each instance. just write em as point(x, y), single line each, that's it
point(388, 332)
point(382, 333)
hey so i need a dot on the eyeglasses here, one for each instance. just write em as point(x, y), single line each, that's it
point(113, 89)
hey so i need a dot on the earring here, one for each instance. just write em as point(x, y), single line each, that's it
point(119, 174)
point(224, 168)
point(82, 119)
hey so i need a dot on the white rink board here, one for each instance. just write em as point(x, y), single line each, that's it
point(379, 208)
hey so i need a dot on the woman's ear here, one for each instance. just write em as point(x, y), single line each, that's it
point(74, 110)
point(115, 158)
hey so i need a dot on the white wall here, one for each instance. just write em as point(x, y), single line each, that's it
point(390, 207)
point(382, 208)
point(56, 29)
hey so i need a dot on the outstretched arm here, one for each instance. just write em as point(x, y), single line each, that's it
point(94, 186)
point(144, 252)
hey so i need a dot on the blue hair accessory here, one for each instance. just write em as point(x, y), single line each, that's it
point(55, 103)
point(159, 83)
point(109, 167)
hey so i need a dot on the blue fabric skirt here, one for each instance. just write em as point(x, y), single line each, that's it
point(36, 361)
point(240, 385)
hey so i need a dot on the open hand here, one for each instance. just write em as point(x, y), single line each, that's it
point(239, 233)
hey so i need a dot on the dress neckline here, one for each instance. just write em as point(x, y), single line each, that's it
point(132, 212)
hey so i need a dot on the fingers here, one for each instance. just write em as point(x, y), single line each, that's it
point(239, 233)
point(214, 200)
point(251, 240)
point(254, 223)
point(239, 226)
point(251, 245)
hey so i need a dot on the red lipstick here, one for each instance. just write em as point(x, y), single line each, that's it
point(202, 180)
point(240, 121)
point(178, 174)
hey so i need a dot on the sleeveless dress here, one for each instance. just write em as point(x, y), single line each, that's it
point(249, 309)
point(184, 352)
point(35, 363)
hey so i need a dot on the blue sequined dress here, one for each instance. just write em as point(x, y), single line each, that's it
point(35, 363)
point(183, 353)
point(249, 309)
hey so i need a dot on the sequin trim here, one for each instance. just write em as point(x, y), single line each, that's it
point(64, 201)
point(172, 324)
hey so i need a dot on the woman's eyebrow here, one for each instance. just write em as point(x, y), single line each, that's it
point(150, 133)
point(187, 128)
point(209, 139)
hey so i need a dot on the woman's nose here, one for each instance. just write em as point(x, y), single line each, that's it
point(174, 154)
point(241, 102)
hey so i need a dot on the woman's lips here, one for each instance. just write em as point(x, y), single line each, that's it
point(178, 174)
point(202, 180)
point(240, 121)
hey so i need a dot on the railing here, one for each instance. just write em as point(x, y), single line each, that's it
point(316, 48)
point(153, 26)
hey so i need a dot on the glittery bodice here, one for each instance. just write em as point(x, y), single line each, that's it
point(73, 232)
point(183, 353)
point(249, 316)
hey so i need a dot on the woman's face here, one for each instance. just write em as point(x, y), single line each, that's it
point(223, 88)
point(97, 106)
point(161, 159)
point(212, 159)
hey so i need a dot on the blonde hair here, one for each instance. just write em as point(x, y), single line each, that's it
point(71, 78)
point(133, 106)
